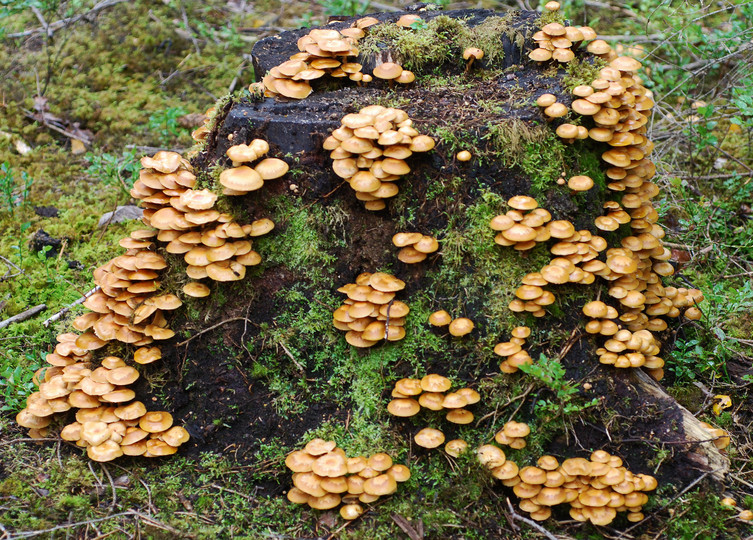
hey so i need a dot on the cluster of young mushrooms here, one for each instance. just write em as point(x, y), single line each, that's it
point(326, 51)
point(129, 307)
point(369, 150)
point(324, 477)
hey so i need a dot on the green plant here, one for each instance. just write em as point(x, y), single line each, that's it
point(344, 7)
point(111, 169)
point(12, 197)
point(16, 382)
point(552, 374)
point(165, 123)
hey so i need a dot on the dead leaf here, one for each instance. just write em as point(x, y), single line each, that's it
point(77, 147)
point(725, 402)
point(22, 147)
point(192, 120)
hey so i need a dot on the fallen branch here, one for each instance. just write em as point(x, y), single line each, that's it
point(50, 28)
point(529, 522)
point(24, 315)
point(211, 328)
point(66, 309)
point(9, 274)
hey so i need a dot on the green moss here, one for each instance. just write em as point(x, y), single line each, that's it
point(582, 72)
point(543, 162)
point(487, 36)
point(436, 42)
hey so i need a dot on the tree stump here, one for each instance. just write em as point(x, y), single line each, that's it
point(285, 370)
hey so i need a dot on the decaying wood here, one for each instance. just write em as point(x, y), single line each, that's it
point(24, 315)
point(702, 447)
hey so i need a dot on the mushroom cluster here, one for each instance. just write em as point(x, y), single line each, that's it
point(432, 392)
point(371, 313)
point(512, 351)
point(242, 179)
point(525, 225)
point(324, 477)
point(322, 52)
point(109, 423)
point(414, 246)
point(623, 349)
point(213, 244)
point(513, 434)
point(596, 488)
point(556, 42)
point(458, 327)
point(369, 150)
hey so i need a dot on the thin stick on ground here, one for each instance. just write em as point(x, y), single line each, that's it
point(531, 523)
point(24, 315)
point(211, 328)
point(67, 308)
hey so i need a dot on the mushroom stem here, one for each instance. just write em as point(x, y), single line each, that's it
point(468, 65)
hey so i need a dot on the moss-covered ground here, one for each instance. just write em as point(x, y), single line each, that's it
point(124, 80)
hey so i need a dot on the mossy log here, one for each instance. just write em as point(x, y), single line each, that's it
point(294, 371)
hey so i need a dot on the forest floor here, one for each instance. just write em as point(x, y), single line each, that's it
point(88, 88)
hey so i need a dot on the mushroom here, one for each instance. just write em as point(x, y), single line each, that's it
point(470, 54)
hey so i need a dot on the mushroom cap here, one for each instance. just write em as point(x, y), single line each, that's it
point(456, 447)
point(580, 183)
point(431, 400)
point(156, 421)
point(387, 71)
point(132, 411)
point(463, 155)
point(384, 484)
point(403, 407)
point(556, 110)
point(435, 383)
point(385, 282)
point(241, 178)
point(299, 461)
point(461, 326)
point(351, 511)
point(532, 475)
point(516, 429)
point(545, 100)
point(491, 456)
point(440, 318)
point(522, 202)
point(147, 355)
point(331, 465)
point(122, 376)
point(474, 52)
point(271, 168)
point(409, 387)
point(429, 438)
point(459, 416)
point(318, 447)
point(196, 289)
point(175, 436)
point(106, 451)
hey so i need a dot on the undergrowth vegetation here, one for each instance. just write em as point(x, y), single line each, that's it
point(84, 98)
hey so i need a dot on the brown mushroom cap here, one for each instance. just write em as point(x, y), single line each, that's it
point(461, 327)
point(429, 438)
point(241, 178)
point(331, 465)
point(156, 421)
point(435, 383)
point(403, 407)
point(387, 71)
